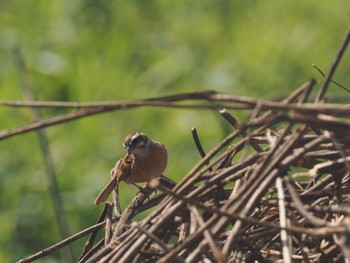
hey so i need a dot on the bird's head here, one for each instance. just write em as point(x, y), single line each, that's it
point(135, 141)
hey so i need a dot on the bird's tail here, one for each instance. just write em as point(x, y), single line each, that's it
point(106, 192)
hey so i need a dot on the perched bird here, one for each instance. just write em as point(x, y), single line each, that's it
point(146, 160)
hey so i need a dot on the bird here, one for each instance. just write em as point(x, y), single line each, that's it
point(145, 160)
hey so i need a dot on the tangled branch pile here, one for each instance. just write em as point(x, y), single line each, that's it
point(275, 189)
point(279, 189)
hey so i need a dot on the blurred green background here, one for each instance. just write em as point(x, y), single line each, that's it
point(123, 50)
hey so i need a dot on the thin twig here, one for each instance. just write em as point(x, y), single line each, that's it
point(336, 83)
point(299, 206)
point(199, 146)
point(335, 63)
point(108, 231)
point(63, 243)
point(92, 251)
point(90, 241)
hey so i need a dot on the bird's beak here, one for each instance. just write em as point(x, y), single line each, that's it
point(130, 149)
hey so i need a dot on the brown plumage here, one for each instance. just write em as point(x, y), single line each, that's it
point(146, 160)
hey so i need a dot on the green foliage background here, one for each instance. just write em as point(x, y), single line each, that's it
point(122, 50)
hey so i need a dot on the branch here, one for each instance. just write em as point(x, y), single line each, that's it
point(65, 242)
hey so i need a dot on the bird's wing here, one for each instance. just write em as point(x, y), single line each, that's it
point(124, 168)
point(120, 172)
point(106, 192)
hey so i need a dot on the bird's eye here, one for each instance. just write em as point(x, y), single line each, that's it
point(136, 140)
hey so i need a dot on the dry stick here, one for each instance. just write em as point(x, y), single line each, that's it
point(158, 101)
point(335, 63)
point(210, 169)
point(343, 155)
point(300, 240)
point(299, 206)
point(232, 120)
point(101, 254)
point(219, 257)
point(184, 231)
point(343, 240)
point(241, 102)
point(335, 82)
point(116, 202)
point(217, 101)
point(90, 241)
point(339, 149)
point(226, 101)
point(193, 224)
point(199, 146)
point(63, 243)
point(320, 121)
point(190, 179)
point(92, 111)
point(283, 221)
point(92, 251)
point(319, 185)
point(329, 166)
point(203, 95)
point(153, 237)
point(304, 98)
point(108, 231)
point(245, 103)
point(49, 122)
point(67, 253)
point(96, 110)
point(343, 209)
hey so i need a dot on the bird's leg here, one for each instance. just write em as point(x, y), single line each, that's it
point(151, 187)
point(137, 186)
point(145, 190)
